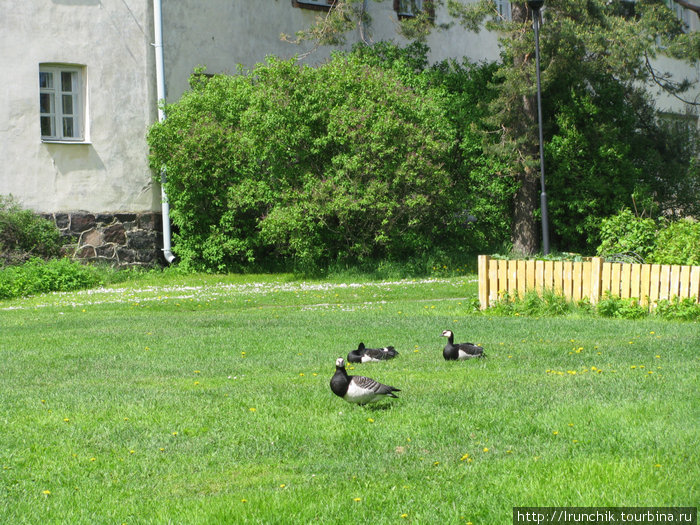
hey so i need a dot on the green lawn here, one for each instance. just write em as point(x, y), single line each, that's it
point(206, 400)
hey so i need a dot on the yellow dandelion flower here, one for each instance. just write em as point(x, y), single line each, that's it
point(196, 383)
point(436, 463)
point(132, 451)
point(93, 459)
point(465, 457)
point(486, 449)
point(357, 499)
point(174, 433)
point(556, 432)
point(252, 409)
point(244, 500)
point(404, 515)
point(46, 492)
point(369, 419)
point(66, 419)
point(657, 356)
point(658, 465)
point(282, 485)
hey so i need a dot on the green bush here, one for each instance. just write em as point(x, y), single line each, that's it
point(345, 162)
point(38, 276)
point(678, 243)
point(23, 234)
point(626, 232)
point(678, 309)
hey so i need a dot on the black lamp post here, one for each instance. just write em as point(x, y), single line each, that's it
point(535, 6)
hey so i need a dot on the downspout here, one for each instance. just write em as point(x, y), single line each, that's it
point(160, 90)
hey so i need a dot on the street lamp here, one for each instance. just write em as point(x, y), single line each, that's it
point(535, 6)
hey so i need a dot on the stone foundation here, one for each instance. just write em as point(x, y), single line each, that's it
point(118, 239)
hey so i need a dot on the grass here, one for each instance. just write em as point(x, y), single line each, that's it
point(206, 400)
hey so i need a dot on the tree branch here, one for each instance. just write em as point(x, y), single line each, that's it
point(689, 6)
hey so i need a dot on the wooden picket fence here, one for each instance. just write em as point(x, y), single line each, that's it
point(590, 280)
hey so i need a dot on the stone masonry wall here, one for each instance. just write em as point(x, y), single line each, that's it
point(119, 239)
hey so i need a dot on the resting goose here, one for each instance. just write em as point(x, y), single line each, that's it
point(364, 355)
point(459, 351)
point(358, 389)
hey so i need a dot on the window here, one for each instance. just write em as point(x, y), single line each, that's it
point(681, 13)
point(503, 8)
point(313, 4)
point(408, 7)
point(61, 111)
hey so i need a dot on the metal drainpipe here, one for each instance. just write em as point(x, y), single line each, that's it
point(160, 89)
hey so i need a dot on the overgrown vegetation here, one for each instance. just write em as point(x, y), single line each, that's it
point(660, 241)
point(550, 304)
point(24, 235)
point(346, 162)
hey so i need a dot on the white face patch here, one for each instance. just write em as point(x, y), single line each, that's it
point(340, 362)
point(447, 333)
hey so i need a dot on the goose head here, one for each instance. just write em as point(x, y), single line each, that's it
point(340, 363)
point(447, 333)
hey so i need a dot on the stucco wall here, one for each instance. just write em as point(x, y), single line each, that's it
point(224, 34)
point(111, 38)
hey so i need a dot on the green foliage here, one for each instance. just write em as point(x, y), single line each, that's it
point(678, 309)
point(626, 232)
point(342, 162)
point(23, 234)
point(612, 306)
point(38, 276)
point(678, 243)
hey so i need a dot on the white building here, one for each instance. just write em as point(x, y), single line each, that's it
point(80, 93)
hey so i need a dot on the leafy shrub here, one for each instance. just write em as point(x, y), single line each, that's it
point(38, 276)
point(613, 306)
point(345, 162)
point(684, 309)
point(24, 234)
point(625, 232)
point(678, 243)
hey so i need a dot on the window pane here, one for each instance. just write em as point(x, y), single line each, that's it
point(45, 80)
point(68, 127)
point(67, 104)
point(46, 103)
point(47, 127)
point(66, 81)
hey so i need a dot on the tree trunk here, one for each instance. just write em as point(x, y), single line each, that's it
point(524, 232)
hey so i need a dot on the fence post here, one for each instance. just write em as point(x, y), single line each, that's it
point(596, 273)
point(484, 281)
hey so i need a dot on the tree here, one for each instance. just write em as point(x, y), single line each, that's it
point(614, 39)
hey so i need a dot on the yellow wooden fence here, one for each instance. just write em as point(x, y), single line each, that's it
point(588, 280)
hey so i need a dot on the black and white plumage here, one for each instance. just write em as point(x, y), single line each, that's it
point(365, 355)
point(459, 351)
point(358, 389)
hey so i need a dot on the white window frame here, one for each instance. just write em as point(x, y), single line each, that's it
point(323, 3)
point(406, 7)
point(503, 8)
point(62, 108)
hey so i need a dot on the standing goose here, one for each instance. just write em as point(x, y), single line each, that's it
point(358, 389)
point(364, 355)
point(459, 351)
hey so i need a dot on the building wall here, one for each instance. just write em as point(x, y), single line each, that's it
point(111, 38)
point(226, 33)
